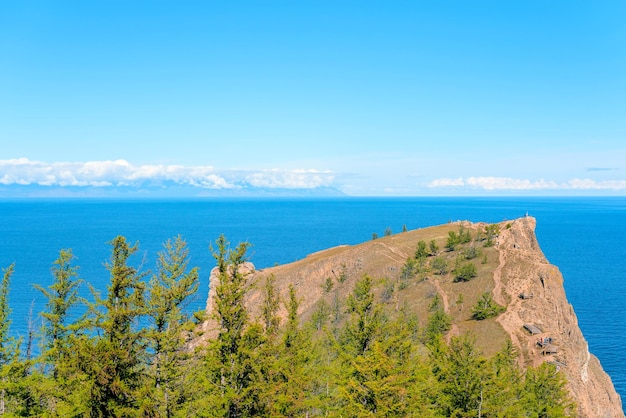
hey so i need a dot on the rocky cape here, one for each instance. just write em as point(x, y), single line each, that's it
point(538, 318)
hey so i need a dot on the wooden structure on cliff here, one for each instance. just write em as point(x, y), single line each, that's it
point(549, 349)
point(533, 329)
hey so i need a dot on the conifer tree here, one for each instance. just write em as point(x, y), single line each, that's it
point(170, 290)
point(502, 397)
point(486, 307)
point(365, 318)
point(291, 331)
point(271, 303)
point(321, 315)
point(301, 356)
point(19, 395)
point(434, 248)
point(421, 252)
point(463, 376)
point(545, 394)
point(438, 323)
point(233, 373)
point(287, 380)
point(63, 340)
point(386, 380)
point(452, 241)
point(62, 295)
point(230, 293)
point(8, 344)
point(118, 353)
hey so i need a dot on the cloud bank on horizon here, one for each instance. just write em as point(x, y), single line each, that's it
point(507, 183)
point(123, 174)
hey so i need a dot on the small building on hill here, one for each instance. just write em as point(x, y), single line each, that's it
point(533, 329)
point(549, 349)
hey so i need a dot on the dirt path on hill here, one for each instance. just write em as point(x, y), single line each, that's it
point(454, 329)
point(497, 278)
point(403, 256)
point(442, 293)
point(510, 318)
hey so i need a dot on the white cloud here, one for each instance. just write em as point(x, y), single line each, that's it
point(507, 183)
point(445, 182)
point(597, 185)
point(296, 179)
point(23, 171)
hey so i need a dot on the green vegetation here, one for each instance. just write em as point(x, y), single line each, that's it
point(434, 248)
point(388, 288)
point(452, 241)
point(421, 252)
point(170, 288)
point(465, 272)
point(438, 323)
point(129, 354)
point(464, 235)
point(409, 269)
point(486, 308)
point(455, 238)
point(271, 303)
point(328, 284)
point(440, 265)
point(471, 252)
point(343, 273)
point(491, 231)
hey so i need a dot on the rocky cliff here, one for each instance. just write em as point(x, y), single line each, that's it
point(533, 291)
point(538, 318)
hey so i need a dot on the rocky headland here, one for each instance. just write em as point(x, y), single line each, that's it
point(538, 319)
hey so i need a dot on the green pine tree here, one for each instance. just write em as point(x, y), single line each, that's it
point(61, 296)
point(9, 347)
point(170, 290)
point(365, 316)
point(234, 373)
point(118, 354)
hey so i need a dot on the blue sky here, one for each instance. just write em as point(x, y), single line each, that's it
point(370, 98)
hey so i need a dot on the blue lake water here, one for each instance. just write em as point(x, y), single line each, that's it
point(584, 237)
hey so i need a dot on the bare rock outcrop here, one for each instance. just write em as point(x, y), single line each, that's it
point(532, 289)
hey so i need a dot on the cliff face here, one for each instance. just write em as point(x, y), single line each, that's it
point(523, 269)
point(515, 270)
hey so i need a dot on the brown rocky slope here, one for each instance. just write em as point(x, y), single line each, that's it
point(514, 267)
